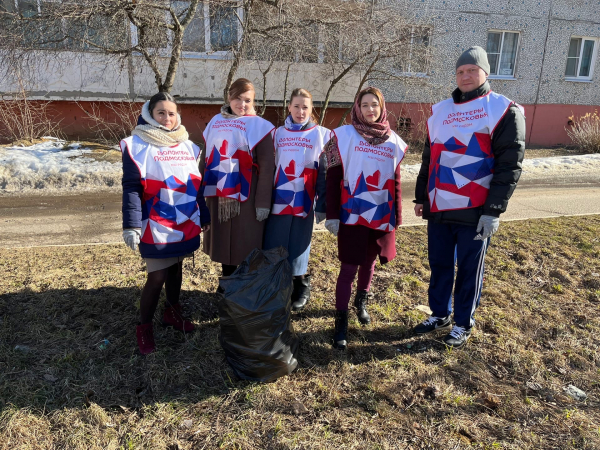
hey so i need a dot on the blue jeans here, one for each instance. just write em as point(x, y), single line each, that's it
point(451, 245)
point(294, 234)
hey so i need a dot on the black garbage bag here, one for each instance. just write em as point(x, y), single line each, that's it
point(255, 310)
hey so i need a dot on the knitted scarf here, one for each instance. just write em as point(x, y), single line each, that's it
point(228, 207)
point(293, 126)
point(374, 133)
point(154, 133)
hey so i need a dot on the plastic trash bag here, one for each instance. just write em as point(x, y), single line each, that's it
point(255, 310)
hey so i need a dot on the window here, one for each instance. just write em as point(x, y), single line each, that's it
point(153, 33)
point(7, 6)
point(580, 59)
point(403, 126)
point(415, 59)
point(214, 28)
point(502, 49)
point(223, 26)
point(36, 33)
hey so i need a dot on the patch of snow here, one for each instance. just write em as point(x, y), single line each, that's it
point(55, 166)
point(538, 168)
point(49, 166)
point(561, 163)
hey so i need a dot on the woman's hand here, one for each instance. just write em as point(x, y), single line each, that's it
point(131, 236)
point(262, 213)
point(419, 210)
point(333, 226)
point(206, 228)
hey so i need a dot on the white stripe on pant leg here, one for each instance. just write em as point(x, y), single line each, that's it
point(478, 279)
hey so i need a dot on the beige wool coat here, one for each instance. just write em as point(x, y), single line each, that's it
point(231, 241)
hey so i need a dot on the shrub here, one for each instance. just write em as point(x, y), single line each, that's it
point(111, 121)
point(24, 120)
point(585, 132)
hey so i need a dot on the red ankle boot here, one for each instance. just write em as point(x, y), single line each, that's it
point(145, 338)
point(173, 317)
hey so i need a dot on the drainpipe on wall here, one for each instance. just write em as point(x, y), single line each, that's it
point(537, 95)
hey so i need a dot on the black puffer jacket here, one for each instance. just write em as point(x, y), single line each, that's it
point(508, 146)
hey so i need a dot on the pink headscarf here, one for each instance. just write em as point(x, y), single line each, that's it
point(375, 133)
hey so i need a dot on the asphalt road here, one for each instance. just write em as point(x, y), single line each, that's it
point(95, 218)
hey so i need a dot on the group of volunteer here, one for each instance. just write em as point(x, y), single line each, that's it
point(254, 186)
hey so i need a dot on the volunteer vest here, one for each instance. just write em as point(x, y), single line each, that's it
point(297, 165)
point(229, 160)
point(462, 162)
point(171, 180)
point(368, 194)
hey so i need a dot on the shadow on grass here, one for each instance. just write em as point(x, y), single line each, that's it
point(365, 343)
point(71, 347)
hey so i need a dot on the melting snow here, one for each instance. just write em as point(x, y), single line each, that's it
point(539, 167)
point(53, 165)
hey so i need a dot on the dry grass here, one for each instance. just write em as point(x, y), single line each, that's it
point(538, 331)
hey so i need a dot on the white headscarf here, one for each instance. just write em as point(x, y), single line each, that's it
point(156, 134)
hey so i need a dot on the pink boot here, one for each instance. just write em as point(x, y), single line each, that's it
point(173, 317)
point(145, 338)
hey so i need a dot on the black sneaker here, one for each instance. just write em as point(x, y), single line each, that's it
point(457, 337)
point(432, 323)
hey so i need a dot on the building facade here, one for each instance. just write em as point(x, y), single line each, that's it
point(543, 55)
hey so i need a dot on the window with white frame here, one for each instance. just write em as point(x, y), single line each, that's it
point(215, 27)
point(580, 59)
point(416, 56)
point(502, 49)
point(57, 32)
point(7, 6)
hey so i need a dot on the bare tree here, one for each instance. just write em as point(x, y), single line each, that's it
point(341, 42)
point(105, 26)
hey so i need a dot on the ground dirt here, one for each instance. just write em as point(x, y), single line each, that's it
point(63, 387)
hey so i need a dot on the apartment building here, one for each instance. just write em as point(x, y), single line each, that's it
point(543, 54)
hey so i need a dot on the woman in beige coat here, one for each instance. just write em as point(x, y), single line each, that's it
point(238, 165)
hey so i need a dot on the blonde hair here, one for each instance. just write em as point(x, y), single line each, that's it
point(301, 92)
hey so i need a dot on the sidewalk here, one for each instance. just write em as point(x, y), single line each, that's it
point(94, 218)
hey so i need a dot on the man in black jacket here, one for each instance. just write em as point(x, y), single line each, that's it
point(470, 168)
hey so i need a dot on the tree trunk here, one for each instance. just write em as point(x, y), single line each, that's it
point(264, 99)
point(335, 81)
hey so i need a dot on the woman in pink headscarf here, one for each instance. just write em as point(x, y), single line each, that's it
point(363, 201)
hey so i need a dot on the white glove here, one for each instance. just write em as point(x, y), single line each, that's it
point(333, 225)
point(489, 225)
point(262, 213)
point(131, 236)
point(320, 216)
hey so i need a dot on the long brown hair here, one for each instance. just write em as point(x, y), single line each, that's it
point(376, 92)
point(239, 86)
point(301, 92)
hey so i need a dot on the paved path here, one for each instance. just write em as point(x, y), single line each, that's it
point(96, 218)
